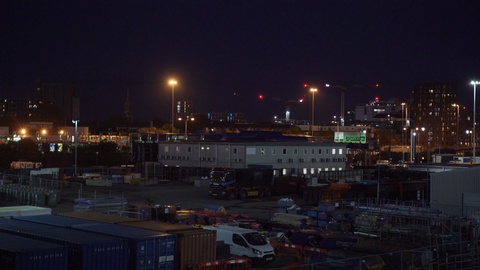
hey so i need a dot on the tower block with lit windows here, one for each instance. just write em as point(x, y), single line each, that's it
point(435, 116)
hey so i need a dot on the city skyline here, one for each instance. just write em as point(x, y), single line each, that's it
point(215, 49)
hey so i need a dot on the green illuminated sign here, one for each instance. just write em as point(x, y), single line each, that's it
point(350, 137)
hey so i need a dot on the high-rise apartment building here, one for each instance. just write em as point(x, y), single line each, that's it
point(434, 116)
point(24, 109)
point(183, 108)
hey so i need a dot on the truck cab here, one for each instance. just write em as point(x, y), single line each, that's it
point(222, 183)
point(240, 183)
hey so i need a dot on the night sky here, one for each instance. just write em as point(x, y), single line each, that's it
point(217, 48)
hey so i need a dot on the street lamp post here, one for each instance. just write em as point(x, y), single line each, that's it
point(342, 102)
point(378, 179)
point(474, 83)
point(75, 142)
point(422, 144)
point(173, 83)
point(413, 145)
point(187, 119)
point(313, 90)
point(403, 129)
point(469, 133)
point(458, 117)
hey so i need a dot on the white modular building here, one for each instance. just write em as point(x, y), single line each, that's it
point(288, 158)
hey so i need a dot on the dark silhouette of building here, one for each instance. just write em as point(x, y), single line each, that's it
point(20, 108)
point(127, 110)
point(63, 95)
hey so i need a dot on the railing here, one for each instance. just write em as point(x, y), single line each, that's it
point(458, 255)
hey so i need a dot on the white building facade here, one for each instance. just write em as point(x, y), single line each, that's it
point(288, 158)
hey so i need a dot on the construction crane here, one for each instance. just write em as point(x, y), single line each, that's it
point(343, 88)
point(286, 102)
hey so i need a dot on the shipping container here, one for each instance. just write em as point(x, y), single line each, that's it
point(97, 216)
point(23, 210)
point(57, 221)
point(21, 253)
point(148, 249)
point(193, 245)
point(87, 251)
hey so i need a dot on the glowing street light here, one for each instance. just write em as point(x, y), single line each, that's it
point(313, 90)
point(75, 142)
point(173, 82)
point(187, 119)
point(474, 83)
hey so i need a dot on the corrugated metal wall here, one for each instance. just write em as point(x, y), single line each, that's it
point(454, 192)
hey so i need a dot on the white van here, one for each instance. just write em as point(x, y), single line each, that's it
point(245, 242)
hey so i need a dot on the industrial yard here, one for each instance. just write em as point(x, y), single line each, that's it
point(331, 234)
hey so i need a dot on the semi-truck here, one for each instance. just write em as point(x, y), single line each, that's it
point(241, 183)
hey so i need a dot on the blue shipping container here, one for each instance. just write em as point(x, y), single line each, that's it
point(87, 251)
point(21, 253)
point(148, 249)
point(57, 221)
